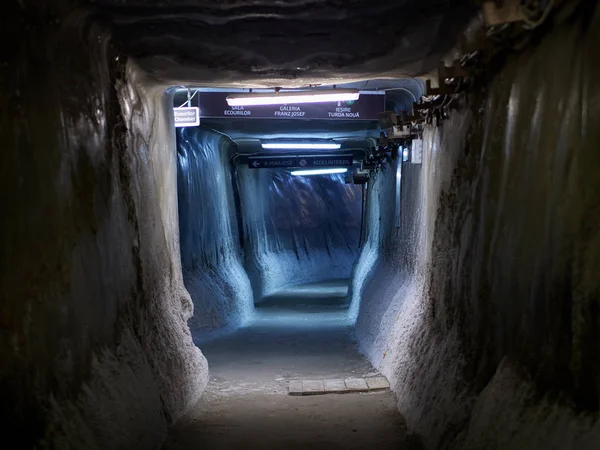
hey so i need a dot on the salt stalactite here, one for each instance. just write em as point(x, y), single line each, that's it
point(210, 249)
point(298, 229)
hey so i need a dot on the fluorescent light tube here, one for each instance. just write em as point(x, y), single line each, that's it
point(318, 172)
point(293, 97)
point(301, 146)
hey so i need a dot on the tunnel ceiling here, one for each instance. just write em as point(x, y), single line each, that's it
point(286, 43)
point(400, 93)
point(248, 134)
point(274, 129)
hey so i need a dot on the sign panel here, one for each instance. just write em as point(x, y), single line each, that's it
point(325, 161)
point(268, 162)
point(417, 151)
point(271, 162)
point(187, 116)
point(367, 107)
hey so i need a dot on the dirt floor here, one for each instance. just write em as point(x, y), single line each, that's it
point(246, 405)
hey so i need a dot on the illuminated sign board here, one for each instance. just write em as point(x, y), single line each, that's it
point(279, 162)
point(367, 107)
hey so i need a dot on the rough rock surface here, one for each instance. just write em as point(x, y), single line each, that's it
point(482, 308)
point(297, 229)
point(286, 43)
point(95, 350)
point(210, 246)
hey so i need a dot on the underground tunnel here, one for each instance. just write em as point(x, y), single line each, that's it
point(300, 224)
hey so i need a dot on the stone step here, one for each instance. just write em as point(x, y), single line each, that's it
point(338, 386)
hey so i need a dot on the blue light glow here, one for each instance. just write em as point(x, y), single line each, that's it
point(318, 172)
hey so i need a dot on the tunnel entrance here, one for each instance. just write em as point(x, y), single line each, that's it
point(272, 198)
point(272, 220)
point(302, 233)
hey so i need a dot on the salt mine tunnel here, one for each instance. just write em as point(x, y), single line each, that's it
point(219, 217)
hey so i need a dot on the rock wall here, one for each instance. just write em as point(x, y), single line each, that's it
point(297, 229)
point(484, 313)
point(286, 43)
point(210, 246)
point(95, 349)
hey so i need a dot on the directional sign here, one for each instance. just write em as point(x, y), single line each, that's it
point(187, 117)
point(266, 162)
point(326, 161)
point(271, 162)
point(367, 107)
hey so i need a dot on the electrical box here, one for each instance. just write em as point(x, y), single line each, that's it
point(360, 178)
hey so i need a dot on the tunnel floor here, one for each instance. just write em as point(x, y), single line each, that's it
point(294, 335)
point(311, 298)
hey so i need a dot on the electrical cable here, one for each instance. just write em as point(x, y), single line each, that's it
point(403, 89)
point(189, 99)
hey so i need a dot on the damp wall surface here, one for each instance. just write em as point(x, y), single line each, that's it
point(210, 246)
point(297, 229)
point(489, 325)
point(95, 349)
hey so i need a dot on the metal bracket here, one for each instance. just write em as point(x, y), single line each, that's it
point(453, 71)
point(443, 89)
point(424, 106)
point(405, 118)
point(444, 73)
point(498, 13)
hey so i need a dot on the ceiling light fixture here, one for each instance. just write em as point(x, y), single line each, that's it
point(293, 97)
point(301, 146)
point(317, 172)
